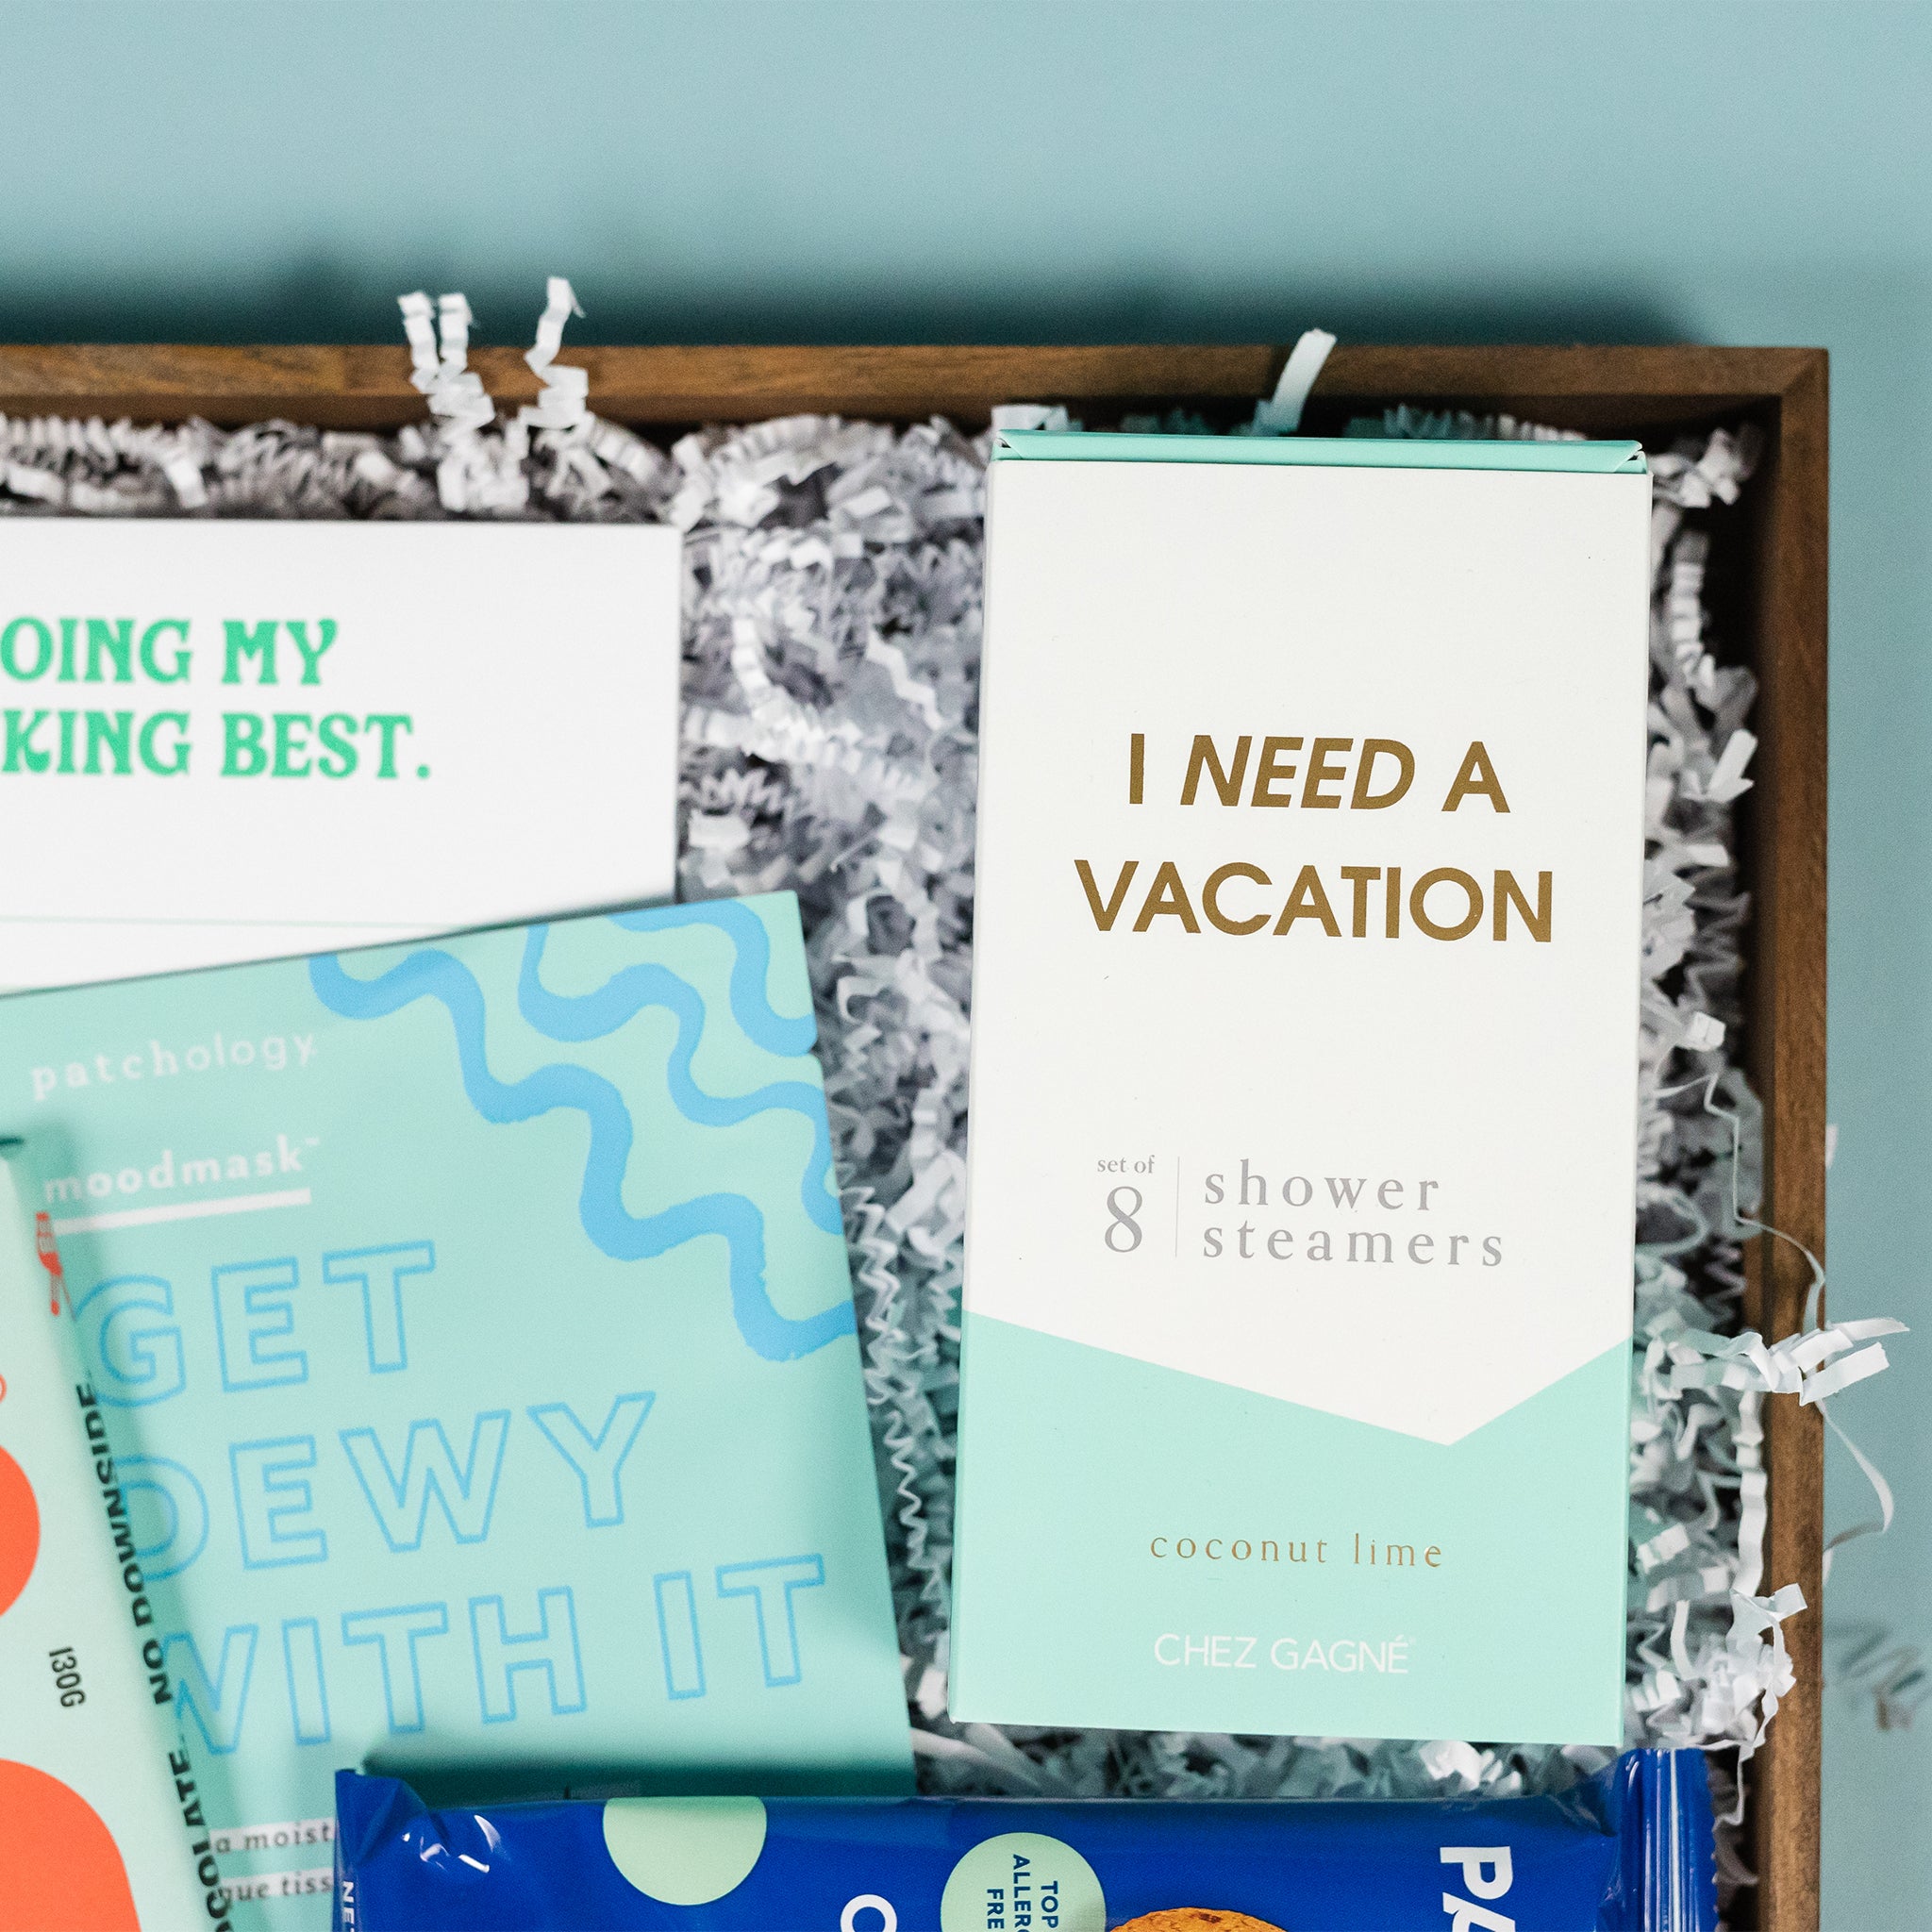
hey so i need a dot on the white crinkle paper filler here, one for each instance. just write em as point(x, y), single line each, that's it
point(831, 643)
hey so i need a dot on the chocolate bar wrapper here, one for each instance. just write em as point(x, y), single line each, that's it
point(101, 1824)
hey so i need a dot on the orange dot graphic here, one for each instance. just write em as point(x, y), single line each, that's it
point(20, 1530)
point(60, 1869)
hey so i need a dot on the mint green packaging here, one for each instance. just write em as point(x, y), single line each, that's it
point(474, 1332)
point(1300, 1228)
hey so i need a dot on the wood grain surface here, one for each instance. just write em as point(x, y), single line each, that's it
point(1607, 390)
point(369, 387)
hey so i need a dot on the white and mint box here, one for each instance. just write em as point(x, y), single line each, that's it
point(1300, 1232)
point(473, 1324)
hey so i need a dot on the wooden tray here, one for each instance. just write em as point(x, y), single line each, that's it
point(1772, 615)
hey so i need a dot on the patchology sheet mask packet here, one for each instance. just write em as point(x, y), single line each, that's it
point(471, 1327)
point(1299, 1243)
point(101, 1820)
point(233, 741)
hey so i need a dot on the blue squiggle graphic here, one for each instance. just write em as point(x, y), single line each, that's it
point(435, 974)
point(746, 931)
point(591, 1015)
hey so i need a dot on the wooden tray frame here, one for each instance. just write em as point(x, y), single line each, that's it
point(1777, 623)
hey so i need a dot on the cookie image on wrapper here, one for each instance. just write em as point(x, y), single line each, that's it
point(1197, 1919)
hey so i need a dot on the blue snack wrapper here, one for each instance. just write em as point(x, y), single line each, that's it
point(1628, 1850)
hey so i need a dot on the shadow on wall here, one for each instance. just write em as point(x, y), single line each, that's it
point(321, 300)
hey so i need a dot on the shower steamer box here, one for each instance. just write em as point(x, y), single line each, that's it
point(1301, 1168)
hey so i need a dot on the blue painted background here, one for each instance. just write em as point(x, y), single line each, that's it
point(1651, 171)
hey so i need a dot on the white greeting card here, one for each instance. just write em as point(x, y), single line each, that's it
point(227, 741)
